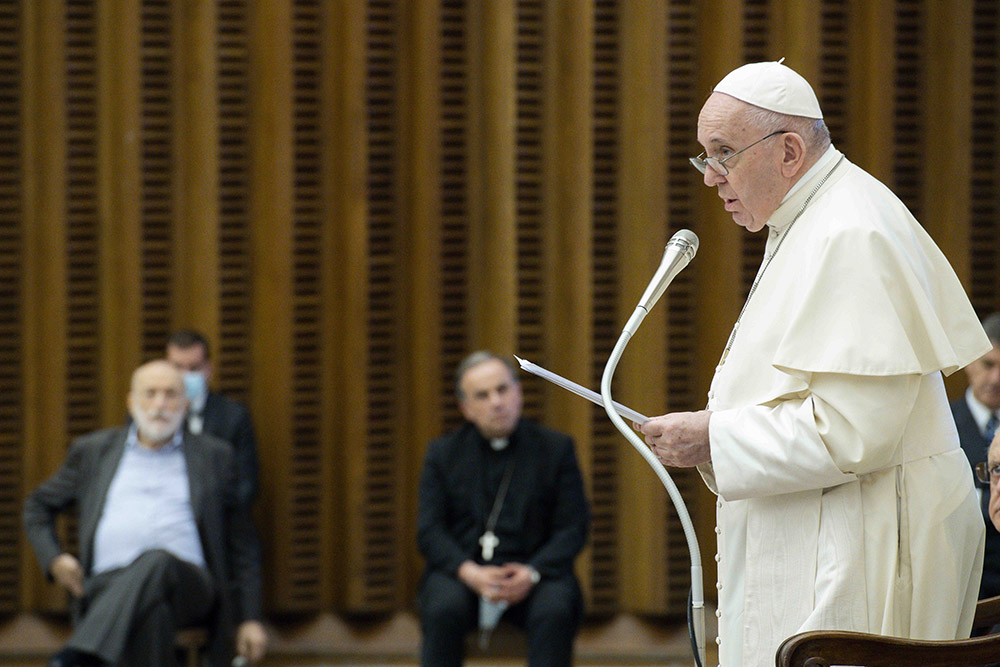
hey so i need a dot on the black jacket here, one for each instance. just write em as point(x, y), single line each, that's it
point(975, 447)
point(544, 519)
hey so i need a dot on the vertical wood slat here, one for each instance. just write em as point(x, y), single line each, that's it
point(567, 235)
point(348, 277)
point(869, 121)
point(196, 167)
point(944, 194)
point(126, 280)
point(641, 236)
point(272, 284)
point(422, 226)
point(493, 277)
point(44, 268)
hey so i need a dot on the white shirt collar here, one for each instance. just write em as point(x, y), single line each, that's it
point(980, 412)
point(822, 162)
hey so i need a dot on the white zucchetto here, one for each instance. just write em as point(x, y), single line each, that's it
point(772, 86)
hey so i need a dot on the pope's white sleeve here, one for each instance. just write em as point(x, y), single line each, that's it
point(844, 425)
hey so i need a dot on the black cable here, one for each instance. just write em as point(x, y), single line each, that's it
point(691, 634)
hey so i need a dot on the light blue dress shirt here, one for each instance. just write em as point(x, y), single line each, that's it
point(148, 506)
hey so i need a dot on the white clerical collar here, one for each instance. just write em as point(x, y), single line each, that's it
point(824, 160)
point(980, 412)
point(499, 443)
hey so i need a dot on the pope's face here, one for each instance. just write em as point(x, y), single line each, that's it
point(984, 378)
point(491, 399)
point(753, 188)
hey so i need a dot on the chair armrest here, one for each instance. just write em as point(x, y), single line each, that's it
point(826, 648)
point(987, 612)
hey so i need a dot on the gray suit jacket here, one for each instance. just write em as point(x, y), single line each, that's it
point(228, 538)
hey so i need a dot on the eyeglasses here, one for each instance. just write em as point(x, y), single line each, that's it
point(987, 473)
point(701, 162)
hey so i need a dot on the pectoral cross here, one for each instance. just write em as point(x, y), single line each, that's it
point(489, 542)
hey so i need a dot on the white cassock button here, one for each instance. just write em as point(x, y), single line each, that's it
point(718, 504)
point(718, 558)
point(718, 585)
point(718, 613)
point(718, 531)
point(718, 641)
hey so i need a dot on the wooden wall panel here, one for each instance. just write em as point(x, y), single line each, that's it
point(349, 197)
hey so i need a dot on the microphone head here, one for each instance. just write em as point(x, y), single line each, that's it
point(680, 250)
point(685, 239)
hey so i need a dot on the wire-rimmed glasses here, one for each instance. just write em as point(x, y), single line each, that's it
point(719, 165)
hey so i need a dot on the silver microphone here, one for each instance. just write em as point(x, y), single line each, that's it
point(680, 250)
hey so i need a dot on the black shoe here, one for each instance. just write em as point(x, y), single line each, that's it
point(70, 657)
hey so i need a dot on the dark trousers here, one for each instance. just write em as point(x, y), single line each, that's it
point(449, 610)
point(129, 615)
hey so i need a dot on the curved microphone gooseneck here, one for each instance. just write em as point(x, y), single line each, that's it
point(679, 251)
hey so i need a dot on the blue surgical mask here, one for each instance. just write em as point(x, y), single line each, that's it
point(195, 385)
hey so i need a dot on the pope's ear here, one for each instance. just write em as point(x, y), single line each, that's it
point(794, 156)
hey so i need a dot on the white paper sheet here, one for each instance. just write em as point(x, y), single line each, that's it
point(592, 396)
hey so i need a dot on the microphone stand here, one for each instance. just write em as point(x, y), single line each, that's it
point(697, 597)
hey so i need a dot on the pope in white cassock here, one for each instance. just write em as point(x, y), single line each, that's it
point(844, 500)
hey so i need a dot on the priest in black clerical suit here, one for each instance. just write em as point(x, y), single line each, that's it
point(502, 516)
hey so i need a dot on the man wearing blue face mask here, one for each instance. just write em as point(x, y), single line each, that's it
point(211, 412)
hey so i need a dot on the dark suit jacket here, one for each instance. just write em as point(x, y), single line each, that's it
point(228, 538)
point(229, 420)
point(545, 505)
point(975, 446)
